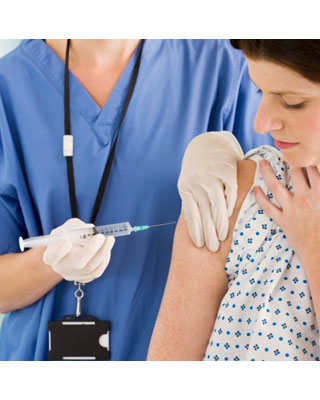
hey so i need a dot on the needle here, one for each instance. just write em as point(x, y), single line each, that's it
point(167, 223)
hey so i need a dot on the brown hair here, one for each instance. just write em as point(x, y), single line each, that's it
point(300, 55)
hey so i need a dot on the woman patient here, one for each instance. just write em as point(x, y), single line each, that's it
point(258, 297)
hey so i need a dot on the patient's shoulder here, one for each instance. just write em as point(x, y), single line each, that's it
point(245, 176)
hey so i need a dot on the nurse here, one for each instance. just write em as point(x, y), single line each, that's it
point(135, 105)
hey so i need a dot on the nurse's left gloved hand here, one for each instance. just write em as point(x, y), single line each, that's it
point(208, 186)
point(82, 261)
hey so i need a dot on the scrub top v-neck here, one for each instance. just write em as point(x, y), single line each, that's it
point(184, 88)
point(101, 120)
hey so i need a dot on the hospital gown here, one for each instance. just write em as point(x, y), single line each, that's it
point(267, 312)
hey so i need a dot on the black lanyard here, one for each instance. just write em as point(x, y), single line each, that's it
point(104, 179)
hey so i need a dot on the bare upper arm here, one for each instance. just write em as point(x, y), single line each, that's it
point(195, 287)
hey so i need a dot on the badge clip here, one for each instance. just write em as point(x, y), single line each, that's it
point(68, 146)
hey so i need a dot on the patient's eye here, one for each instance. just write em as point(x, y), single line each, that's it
point(293, 106)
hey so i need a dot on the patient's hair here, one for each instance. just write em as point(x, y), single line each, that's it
point(300, 55)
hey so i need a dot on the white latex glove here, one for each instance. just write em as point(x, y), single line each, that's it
point(208, 186)
point(82, 261)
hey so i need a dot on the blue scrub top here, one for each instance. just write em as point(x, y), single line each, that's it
point(184, 88)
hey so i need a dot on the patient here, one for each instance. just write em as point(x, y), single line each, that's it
point(258, 297)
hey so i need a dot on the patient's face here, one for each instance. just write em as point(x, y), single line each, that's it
point(289, 110)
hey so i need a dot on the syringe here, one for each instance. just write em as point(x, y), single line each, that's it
point(120, 229)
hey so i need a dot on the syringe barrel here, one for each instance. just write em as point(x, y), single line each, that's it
point(120, 229)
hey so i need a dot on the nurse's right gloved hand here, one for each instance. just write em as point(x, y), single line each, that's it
point(82, 261)
point(208, 186)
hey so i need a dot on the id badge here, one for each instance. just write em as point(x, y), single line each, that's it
point(79, 338)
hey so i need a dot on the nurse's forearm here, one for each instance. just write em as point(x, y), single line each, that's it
point(24, 278)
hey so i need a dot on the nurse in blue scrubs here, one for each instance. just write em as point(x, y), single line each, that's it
point(183, 88)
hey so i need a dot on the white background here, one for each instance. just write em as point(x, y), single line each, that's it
point(162, 19)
